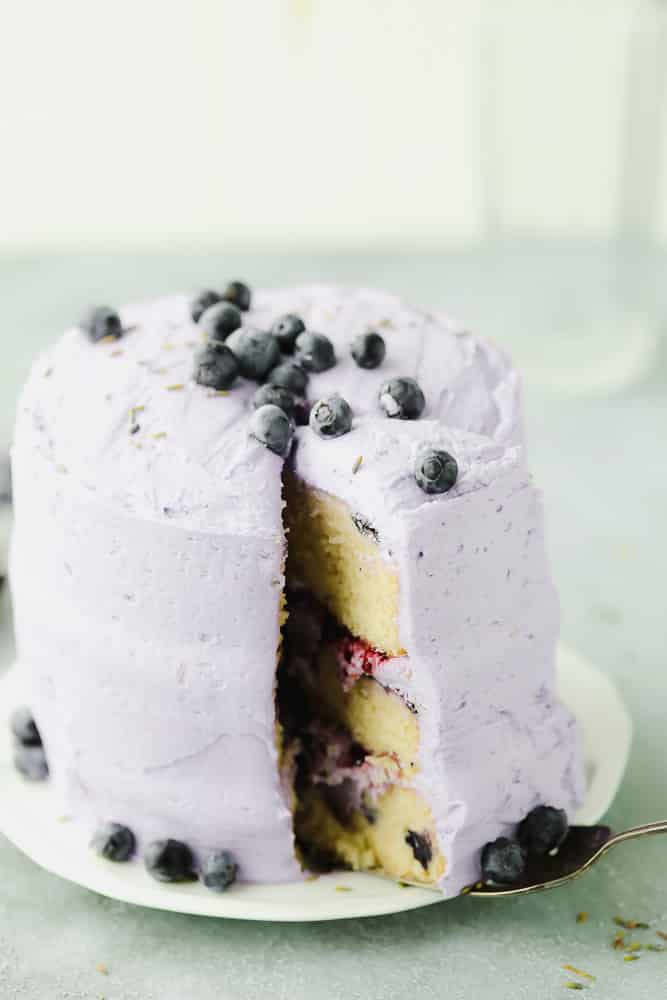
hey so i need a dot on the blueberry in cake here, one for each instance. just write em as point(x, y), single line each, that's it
point(281, 593)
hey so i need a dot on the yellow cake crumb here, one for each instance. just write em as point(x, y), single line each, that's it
point(379, 845)
point(343, 567)
point(377, 718)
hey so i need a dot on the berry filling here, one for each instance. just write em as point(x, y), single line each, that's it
point(357, 658)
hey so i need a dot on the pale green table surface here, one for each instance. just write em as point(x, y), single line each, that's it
point(601, 459)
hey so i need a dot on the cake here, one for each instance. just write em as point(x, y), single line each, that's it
point(307, 635)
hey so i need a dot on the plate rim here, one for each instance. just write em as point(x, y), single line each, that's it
point(589, 693)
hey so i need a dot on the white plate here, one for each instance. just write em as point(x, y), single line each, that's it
point(30, 819)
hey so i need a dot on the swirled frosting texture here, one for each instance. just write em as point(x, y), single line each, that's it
point(148, 566)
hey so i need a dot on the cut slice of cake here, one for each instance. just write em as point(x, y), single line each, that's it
point(441, 673)
point(289, 641)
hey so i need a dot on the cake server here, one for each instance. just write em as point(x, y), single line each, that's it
point(583, 846)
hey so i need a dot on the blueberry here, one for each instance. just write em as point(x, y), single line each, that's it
point(170, 861)
point(286, 329)
point(503, 862)
point(114, 842)
point(219, 320)
point(421, 847)
point(238, 294)
point(101, 322)
point(276, 395)
point(314, 351)
point(216, 366)
point(31, 763)
point(331, 417)
point(202, 301)
point(302, 410)
point(402, 398)
point(368, 350)
point(219, 871)
point(273, 428)
point(353, 756)
point(436, 471)
point(291, 376)
point(543, 830)
point(24, 728)
point(257, 351)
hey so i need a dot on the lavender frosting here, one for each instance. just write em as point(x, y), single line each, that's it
point(147, 570)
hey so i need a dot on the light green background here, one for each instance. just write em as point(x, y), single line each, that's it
point(601, 459)
point(322, 122)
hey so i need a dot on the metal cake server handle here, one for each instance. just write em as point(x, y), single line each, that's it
point(583, 846)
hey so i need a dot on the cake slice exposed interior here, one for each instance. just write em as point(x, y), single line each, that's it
point(350, 742)
point(333, 551)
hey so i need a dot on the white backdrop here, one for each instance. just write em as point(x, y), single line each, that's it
point(328, 122)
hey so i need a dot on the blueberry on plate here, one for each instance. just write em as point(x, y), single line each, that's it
point(24, 728)
point(170, 861)
point(277, 395)
point(503, 862)
point(286, 329)
point(256, 351)
point(216, 366)
point(543, 830)
point(31, 763)
point(273, 428)
point(314, 352)
point(219, 320)
point(100, 322)
point(402, 398)
point(291, 376)
point(331, 417)
point(219, 871)
point(436, 471)
point(368, 350)
point(202, 301)
point(238, 294)
point(114, 842)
